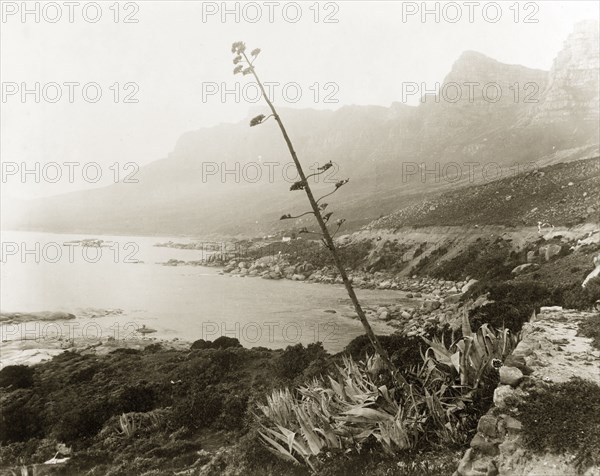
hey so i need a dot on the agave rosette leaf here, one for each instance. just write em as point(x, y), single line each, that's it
point(276, 448)
point(367, 415)
point(312, 438)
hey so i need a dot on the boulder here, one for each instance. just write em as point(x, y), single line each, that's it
point(468, 286)
point(289, 270)
point(453, 298)
point(530, 256)
point(384, 316)
point(511, 423)
point(524, 268)
point(488, 426)
point(484, 446)
point(550, 250)
point(506, 397)
point(430, 305)
point(510, 376)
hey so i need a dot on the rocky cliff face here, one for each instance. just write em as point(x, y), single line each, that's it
point(486, 87)
point(573, 82)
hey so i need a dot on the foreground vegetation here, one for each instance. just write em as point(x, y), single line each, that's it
point(160, 411)
point(221, 409)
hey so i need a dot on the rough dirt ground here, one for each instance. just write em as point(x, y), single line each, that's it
point(562, 354)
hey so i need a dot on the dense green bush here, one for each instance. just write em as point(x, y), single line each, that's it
point(405, 351)
point(294, 360)
point(16, 376)
point(576, 297)
point(233, 410)
point(21, 416)
point(222, 342)
point(201, 344)
point(225, 342)
point(428, 262)
point(352, 255)
point(514, 302)
point(141, 397)
point(83, 421)
point(482, 260)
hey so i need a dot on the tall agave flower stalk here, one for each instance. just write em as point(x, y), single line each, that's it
point(244, 65)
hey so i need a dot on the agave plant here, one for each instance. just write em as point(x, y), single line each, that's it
point(131, 422)
point(472, 355)
point(347, 407)
point(339, 411)
point(127, 425)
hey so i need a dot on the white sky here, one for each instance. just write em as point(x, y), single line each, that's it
point(170, 52)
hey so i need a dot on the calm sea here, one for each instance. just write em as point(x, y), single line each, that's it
point(116, 289)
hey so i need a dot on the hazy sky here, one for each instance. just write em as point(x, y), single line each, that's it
point(177, 50)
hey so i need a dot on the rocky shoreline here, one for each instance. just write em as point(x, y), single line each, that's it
point(47, 334)
point(423, 302)
point(35, 351)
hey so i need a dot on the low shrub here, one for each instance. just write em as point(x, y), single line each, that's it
point(590, 327)
point(564, 417)
point(199, 409)
point(233, 411)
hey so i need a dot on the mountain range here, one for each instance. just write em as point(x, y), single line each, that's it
point(490, 119)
